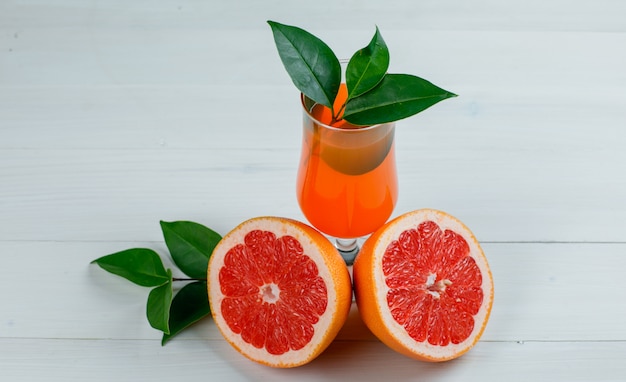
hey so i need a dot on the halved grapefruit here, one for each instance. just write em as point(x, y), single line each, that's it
point(279, 291)
point(423, 286)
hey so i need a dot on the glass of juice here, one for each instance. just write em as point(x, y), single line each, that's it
point(347, 183)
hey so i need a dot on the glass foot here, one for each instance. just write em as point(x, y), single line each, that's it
point(348, 249)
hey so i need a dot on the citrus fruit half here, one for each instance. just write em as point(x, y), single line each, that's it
point(279, 291)
point(423, 286)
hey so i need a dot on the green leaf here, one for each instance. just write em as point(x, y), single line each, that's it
point(190, 305)
point(397, 96)
point(142, 266)
point(311, 64)
point(367, 67)
point(190, 245)
point(158, 307)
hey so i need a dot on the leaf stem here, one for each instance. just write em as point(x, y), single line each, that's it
point(337, 117)
point(186, 279)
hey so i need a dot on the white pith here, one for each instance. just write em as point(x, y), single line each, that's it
point(270, 293)
point(267, 291)
point(444, 222)
point(435, 288)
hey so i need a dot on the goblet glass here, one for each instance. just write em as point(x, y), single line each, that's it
point(347, 183)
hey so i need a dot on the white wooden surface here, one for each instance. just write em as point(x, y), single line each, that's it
point(117, 114)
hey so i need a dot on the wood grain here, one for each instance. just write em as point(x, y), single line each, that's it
point(115, 115)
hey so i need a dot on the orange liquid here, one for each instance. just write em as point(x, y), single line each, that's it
point(347, 186)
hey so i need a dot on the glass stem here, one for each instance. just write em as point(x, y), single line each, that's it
point(348, 249)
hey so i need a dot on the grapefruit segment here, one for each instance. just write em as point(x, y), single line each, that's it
point(423, 285)
point(279, 291)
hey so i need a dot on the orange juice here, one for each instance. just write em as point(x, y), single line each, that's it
point(347, 183)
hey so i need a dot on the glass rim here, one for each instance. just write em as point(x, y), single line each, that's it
point(357, 128)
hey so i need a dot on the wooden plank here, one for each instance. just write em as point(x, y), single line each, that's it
point(119, 194)
point(143, 105)
point(103, 360)
point(544, 292)
point(559, 15)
